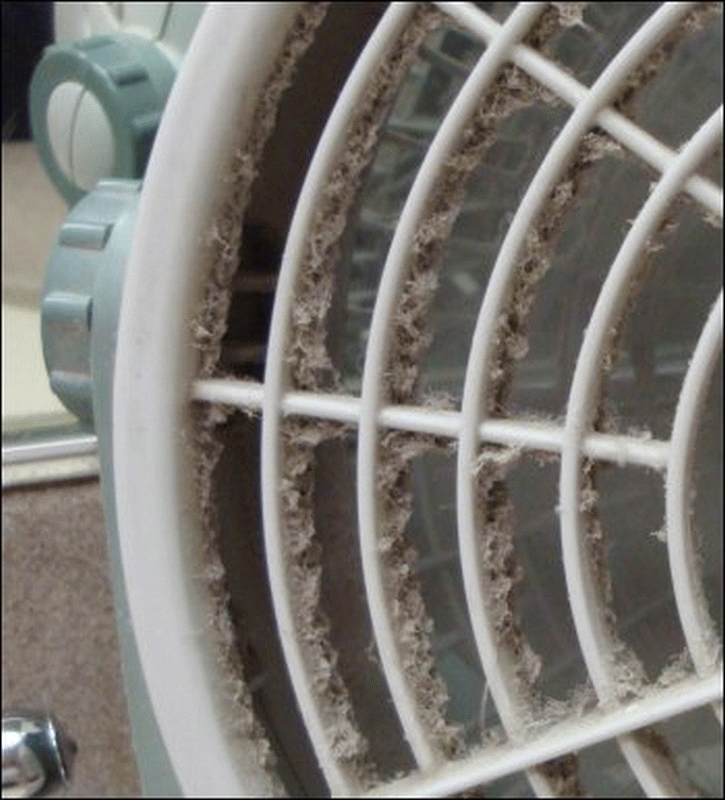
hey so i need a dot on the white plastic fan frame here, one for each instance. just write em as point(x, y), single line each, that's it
point(152, 377)
point(217, 89)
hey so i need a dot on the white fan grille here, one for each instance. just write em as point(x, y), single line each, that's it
point(300, 411)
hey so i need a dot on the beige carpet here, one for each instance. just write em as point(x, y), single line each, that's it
point(59, 647)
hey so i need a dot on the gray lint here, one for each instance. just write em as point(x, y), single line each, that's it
point(310, 368)
point(222, 254)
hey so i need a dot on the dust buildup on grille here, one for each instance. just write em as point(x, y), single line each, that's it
point(628, 672)
point(563, 776)
point(643, 269)
point(304, 573)
point(309, 362)
point(221, 258)
point(310, 368)
point(240, 718)
point(495, 521)
point(533, 263)
point(512, 91)
point(551, 21)
point(495, 516)
point(692, 22)
point(223, 246)
point(512, 345)
point(411, 622)
point(658, 753)
point(570, 14)
point(501, 572)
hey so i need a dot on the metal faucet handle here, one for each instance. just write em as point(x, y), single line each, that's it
point(37, 754)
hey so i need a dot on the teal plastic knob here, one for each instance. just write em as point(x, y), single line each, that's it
point(79, 307)
point(95, 106)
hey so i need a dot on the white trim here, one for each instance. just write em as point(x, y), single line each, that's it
point(213, 99)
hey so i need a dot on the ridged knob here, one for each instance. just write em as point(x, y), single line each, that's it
point(95, 106)
point(92, 245)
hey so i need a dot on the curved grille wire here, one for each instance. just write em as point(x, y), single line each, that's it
point(575, 440)
point(701, 638)
point(476, 383)
point(601, 654)
point(376, 361)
